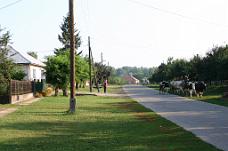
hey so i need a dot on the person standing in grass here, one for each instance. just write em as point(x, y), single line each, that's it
point(105, 85)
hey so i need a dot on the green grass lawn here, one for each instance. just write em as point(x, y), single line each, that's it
point(3, 106)
point(213, 94)
point(153, 86)
point(100, 124)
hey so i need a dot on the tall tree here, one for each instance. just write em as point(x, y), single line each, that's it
point(64, 37)
point(6, 65)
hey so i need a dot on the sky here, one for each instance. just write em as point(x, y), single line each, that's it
point(142, 33)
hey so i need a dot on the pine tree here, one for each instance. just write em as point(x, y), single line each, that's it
point(64, 37)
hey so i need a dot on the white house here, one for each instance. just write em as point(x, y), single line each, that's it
point(33, 68)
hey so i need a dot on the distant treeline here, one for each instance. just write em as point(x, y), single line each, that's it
point(212, 67)
point(137, 72)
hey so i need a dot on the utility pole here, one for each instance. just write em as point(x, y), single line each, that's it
point(72, 57)
point(102, 59)
point(90, 67)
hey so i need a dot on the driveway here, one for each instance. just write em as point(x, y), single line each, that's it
point(207, 121)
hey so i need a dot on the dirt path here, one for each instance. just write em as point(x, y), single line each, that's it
point(5, 111)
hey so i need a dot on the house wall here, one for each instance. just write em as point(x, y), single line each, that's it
point(33, 72)
point(36, 72)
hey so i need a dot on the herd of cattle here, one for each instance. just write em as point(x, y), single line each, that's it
point(183, 87)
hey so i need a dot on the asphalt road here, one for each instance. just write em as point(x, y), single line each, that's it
point(207, 121)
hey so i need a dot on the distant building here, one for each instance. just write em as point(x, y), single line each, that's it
point(33, 68)
point(131, 79)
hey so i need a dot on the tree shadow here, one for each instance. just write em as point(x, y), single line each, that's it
point(81, 136)
point(119, 126)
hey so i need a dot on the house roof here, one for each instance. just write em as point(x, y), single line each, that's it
point(131, 77)
point(134, 78)
point(23, 58)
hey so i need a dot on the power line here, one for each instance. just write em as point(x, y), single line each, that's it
point(174, 13)
point(10, 4)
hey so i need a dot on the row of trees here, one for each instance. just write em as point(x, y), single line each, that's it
point(58, 66)
point(211, 67)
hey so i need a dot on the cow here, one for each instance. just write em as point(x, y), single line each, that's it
point(163, 87)
point(200, 87)
point(189, 88)
point(183, 87)
point(177, 86)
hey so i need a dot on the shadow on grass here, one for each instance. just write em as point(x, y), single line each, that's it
point(111, 135)
point(124, 126)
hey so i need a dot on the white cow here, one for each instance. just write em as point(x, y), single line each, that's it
point(183, 87)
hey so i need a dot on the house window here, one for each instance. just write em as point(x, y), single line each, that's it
point(34, 73)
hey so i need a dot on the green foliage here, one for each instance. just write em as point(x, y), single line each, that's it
point(3, 85)
point(33, 54)
point(139, 73)
point(8, 70)
point(117, 80)
point(6, 65)
point(64, 37)
point(18, 73)
point(58, 70)
point(212, 67)
point(82, 69)
point(101, 72)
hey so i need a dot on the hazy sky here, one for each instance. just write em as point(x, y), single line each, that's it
point(128, 32)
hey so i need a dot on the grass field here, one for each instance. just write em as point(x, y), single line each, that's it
point(153, 86)
point(100, 124)
point(213, 94)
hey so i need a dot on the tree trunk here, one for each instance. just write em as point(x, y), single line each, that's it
point(98, 89)
point(65, 92)
point(77, 85)
point(56, 91)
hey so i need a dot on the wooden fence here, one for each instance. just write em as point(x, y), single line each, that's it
point(20, 87)
point(16, 88)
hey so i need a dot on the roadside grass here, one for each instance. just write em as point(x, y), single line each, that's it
point(100, 124)
point(213, 94)
point(4, 106)
point(153, 86)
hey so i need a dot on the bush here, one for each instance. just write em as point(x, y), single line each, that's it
point(117, 80)
point(3, 86)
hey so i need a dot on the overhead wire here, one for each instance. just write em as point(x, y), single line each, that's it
point(175, 13)
point(10, 4)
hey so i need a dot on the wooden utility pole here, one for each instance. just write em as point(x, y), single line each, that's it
point(90, 67)
point(102, 59)
point(72, 57)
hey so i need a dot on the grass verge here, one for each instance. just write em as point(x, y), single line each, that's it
point(100, 124)
point(213, 94)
